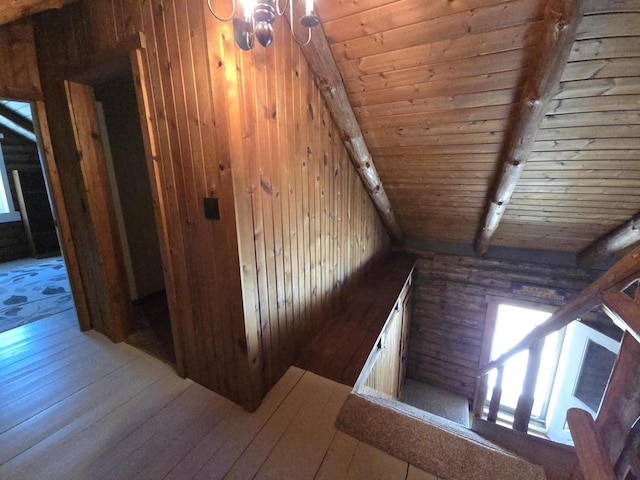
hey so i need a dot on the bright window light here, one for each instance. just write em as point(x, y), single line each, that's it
point(512, 324)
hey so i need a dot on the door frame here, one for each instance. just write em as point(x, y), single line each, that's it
point(130, 57)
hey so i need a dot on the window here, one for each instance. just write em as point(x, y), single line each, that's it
point(16, 119)
point(512, 323)
point(7, 209)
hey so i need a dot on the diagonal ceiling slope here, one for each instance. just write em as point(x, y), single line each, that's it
point(433, 85)
point(583, 177)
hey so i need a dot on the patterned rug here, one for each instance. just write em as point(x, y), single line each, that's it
point(31, 289)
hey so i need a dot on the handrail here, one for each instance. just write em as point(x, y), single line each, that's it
point(618, 277)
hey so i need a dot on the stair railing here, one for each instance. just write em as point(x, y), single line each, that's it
point(617, 278)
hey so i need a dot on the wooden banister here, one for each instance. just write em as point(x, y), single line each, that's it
point(589, 447)
point(624, 312)
point(622, 274)
point(525, 401)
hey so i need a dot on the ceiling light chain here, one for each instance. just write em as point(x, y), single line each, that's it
point(258, 18)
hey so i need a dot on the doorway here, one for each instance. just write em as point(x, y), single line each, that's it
point(33, 278)
point(131, 201)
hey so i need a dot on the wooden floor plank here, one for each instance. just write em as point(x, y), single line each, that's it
point(232, 436)
point(338, 457)
point(114, 459)
point(82, 407)
point(300, 451)
point(66, 460)
point(74, 379)
point(310, 391)
point(32, 353)
point(27, 441)
point(196, 407)
point(36, 374)
point(371, 463)
point(183, 444)
point(33, 332)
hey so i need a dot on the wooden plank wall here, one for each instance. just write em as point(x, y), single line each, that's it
point(449, 307)
point(304, 222)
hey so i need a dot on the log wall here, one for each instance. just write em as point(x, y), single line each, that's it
point(251, 130)
point(449, 308)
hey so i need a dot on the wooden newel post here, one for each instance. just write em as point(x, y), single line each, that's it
point(480, 396)
point(525, 402)
point(496, 396)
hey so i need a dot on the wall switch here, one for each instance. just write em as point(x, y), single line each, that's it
point(211, 208)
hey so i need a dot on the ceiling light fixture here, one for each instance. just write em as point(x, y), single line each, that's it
point(257, 21)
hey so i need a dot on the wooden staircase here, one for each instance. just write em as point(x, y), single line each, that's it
point(607, 447)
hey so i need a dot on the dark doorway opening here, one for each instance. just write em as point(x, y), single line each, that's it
point(132, 201)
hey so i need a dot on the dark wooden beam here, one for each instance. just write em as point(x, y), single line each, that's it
point(12, 10)
point(329, 81)
point(612, 242)
point(617, 277)
point(623, 311)
point(561, 19)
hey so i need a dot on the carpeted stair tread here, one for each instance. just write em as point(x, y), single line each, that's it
point(432, 443)
point(436, 400)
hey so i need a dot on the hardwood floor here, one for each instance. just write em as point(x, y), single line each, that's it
point(76, 406)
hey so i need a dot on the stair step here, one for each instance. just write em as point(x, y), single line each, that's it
point(436, 400)
point(432, 443)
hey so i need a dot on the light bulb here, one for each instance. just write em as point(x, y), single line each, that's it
point(309, 7)
point(247, 8)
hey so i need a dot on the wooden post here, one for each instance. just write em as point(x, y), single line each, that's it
point(610, 243)
point(525, 402)
point(561, 18)
point(621, 401)
point(496, 396)
point(480, 396)
point(589, 448)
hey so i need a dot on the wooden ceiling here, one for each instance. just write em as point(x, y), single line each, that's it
point(434, 86)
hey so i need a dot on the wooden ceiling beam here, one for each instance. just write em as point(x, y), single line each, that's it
point(12, 10)
point(615, 241)
point(329, 81)
point(561, 21)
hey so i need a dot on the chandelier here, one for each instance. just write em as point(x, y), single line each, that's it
point(257, 21)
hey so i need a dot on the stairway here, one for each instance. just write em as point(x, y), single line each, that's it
point(436, 400)
point(434, 444)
